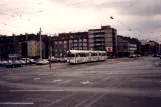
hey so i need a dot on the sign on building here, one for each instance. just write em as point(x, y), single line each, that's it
point(109, 49)
point(14, 55)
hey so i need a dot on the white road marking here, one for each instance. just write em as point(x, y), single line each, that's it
point(89, 105)
point(63, 83)
point(36, 78)
point(59, 100)
point(57, 80)
point(36, 90)
point(86, 82)
point(79, 104)
point(16, 103)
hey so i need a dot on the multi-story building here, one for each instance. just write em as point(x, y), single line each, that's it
point(149, 47)
point(122, 46)
point(69, 41)
point(30, 45)
point(9, 45)
point(127, 46)
point(33, 48)
point(103, 39)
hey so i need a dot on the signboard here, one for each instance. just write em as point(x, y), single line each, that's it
point(14, 55)
point(109, 49)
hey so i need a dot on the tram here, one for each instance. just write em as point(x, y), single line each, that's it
point(85, 56)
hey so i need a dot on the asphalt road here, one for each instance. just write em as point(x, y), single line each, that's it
point(115, 83)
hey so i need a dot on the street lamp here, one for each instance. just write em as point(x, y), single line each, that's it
point(111, 17)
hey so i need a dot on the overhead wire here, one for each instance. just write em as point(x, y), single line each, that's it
point(65, 6)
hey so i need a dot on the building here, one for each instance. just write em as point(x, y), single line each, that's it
point(68, 41)
point(30, 45)
point(33, 49)
point(149, 47)
point(122, 46)
point(103, 39)
point(128, 46)
point(154, 47)
point(9, 45)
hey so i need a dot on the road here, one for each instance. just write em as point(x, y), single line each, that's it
point(115, 83)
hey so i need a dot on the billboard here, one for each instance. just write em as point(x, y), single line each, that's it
point(109, 49)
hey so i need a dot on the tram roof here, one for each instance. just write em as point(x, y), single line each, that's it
point(85, 51)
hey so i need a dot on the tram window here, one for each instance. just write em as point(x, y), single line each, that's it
point(71, 55)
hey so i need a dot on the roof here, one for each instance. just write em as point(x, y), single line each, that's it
point(85, 51)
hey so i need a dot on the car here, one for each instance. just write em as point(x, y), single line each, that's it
point(156, 55)
point(32, 61)
point(53, 59)
point(139, 55)
point(132, 56)
point(62, 60)
point(23, 62)
point(26, 60)
point(1, 63)
point(42, 62)
point(13, 64)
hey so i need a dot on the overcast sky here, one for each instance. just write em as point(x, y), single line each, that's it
point(143, 17)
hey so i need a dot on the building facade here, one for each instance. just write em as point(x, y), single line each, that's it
point(149, 47)
point(69, 41)
point(122, 46)
point(103, 39)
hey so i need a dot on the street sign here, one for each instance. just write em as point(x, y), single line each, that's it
point(109, 49)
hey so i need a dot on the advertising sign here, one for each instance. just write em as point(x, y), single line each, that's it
point(109, 49)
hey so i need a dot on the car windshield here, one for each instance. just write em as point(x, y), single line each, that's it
point(80, 53)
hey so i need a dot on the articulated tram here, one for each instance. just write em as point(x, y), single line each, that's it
point(85, 56)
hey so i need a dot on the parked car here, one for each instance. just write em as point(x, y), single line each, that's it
point(53, 59)
point(62, 60)
point(139, 55)
point(23, 62)
point(29, 61)
point(132, 56)
point(3, 63)
point(26, 60)
point(13, 64)
point(32, 61)
point(42, 62)
point(156, 55)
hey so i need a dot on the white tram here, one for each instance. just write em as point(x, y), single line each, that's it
point(84, 56)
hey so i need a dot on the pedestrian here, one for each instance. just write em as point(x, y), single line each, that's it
point(50, 63)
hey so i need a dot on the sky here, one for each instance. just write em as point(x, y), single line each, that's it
point(143, 17)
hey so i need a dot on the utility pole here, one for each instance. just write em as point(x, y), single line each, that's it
point(50, 53)
point(40, 45)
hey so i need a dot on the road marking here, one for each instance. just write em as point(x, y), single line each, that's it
point(86, 82)
point(36, 78)
point(36, 90)
point(60, 99)
point(63, 83)
point(79, 104)
point(89, 105)
point(16, 103)
point(59, 80)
